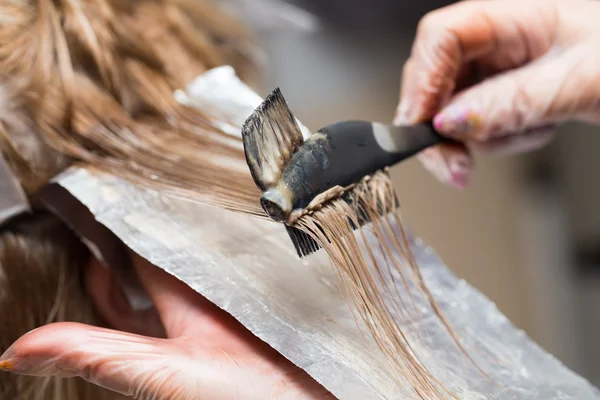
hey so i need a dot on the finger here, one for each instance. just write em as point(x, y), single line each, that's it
point(192, 318)
point(466, 77)
point(550, 90)
point(510, 33)
point(403, 110)
point(186, 313)
point(149, 368)
point(532, 140)
point(121, 362)
point(449, 163)
point(181, 309)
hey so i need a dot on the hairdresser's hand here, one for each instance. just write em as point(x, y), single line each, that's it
point(497, 75)
point(208, 355)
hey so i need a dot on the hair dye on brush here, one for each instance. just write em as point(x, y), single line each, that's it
point(354, 223)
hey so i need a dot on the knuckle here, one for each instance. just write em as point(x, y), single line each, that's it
point(523, 106)
point(438, 55)
point(430, 22)
point(446, 50)
point(438, 50)
point(440, 63)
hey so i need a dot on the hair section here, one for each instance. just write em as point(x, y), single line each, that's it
point(93, 81)
point(379, 275)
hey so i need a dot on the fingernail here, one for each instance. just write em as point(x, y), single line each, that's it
point(401, 117)
point(6, 366)
point(457, 120)
point(454, 171)
point(460, 171)
point(27, 366)
point(434, 163)
point(10, 362)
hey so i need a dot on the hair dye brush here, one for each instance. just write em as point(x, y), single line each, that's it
point(297, 175)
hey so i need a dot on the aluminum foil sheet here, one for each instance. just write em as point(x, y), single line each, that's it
point(249, 268)
point(221, 92)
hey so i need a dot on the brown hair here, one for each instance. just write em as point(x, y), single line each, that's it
point(40, 262)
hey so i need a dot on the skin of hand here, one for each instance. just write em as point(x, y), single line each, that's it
point(499, 75)
point(205, 353)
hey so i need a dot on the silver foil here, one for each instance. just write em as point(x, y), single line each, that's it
point(249, 268)
point(221, 92)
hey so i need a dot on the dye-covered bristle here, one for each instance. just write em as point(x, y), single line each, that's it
point(271, 136)
point(305, 245)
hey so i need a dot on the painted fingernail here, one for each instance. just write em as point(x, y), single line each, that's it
point(457, 120)
point(434, 163)
point(26, 366)
point(6, 366)
point(460, 171)
point(455, 170)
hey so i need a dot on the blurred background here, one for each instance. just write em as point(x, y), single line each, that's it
point(526, 233)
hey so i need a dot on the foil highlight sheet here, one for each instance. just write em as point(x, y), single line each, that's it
point(249, 268)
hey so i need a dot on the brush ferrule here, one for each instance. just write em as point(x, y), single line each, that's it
point(308, 172)
point(277, 204)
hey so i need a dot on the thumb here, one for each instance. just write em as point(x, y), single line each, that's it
point(550, 90)
point(132, 365)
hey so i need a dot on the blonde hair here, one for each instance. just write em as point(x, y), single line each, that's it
point(95, 80)
point(92, 81)
point(380, 276)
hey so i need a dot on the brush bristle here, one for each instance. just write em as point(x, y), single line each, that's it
point(305, 245)
point(271, 136)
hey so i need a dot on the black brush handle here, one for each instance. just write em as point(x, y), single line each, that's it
point(345, 152)
point(359, 148)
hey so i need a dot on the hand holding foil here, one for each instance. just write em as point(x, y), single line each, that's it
point(499, 75)
point(206, 354)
